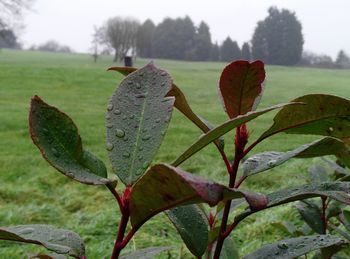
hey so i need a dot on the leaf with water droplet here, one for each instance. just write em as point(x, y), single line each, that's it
point(58, 139)
point(295, 247)
point(152, 106)
point(59, 241)
point(264, 161)
point(311, 214)
point(146, 253)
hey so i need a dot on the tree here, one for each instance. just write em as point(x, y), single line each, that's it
point(52, 46)
point(8, 39)
point(278, 39)
point(174, 39)
point(97, 40)
point(215, 52)
point(144, 39)
point(343, 60)
point(246, 55)
point(202, 42)
point(230, 50)
point(120, 34)
point(11, 12)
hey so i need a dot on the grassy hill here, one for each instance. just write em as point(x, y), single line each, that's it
point(32, 192)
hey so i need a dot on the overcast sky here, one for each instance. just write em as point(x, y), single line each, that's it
point(325, 22)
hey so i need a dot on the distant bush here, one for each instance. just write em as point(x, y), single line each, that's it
point(52, 46)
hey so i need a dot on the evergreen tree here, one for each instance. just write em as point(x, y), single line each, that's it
point(246, 55)
point(278, 39)
point(144, 39)
point(8, 40)
point(230, 50)
point(202, 42)
point(343, 60)
point(215, 52)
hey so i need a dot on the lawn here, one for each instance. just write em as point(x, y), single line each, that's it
point(32, 192)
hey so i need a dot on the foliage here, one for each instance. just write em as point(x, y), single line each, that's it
point(8, 39)
point(246, 52)
point(343, 60)
point(229, 50)
point(52, 46)
point(278, 38)
point(146, 99)
point(144, 39)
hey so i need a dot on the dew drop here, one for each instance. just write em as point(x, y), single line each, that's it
point(108, 117)
point(140, 96)
point(331, 129)
point(272, 163)
point(141, 74)
point(110, 107)
point(163, 84)
point(117, 112)
point(138, 86)
point(132, 116)
point(146, 137)
point(282, 246)
point(124, 117)
point(139, 172)
point(109, 125)
point(130, 82)
point(109, 146)
point(126, 95)
point(62, 237)
point(70, 174)
point(126, 155)
point(119, 133)
point(163, 73)
point(158, 120)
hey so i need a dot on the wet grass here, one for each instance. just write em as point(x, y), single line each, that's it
point(32, 192)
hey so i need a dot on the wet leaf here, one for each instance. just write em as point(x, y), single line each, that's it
point(221, 130)
point(50, 256)
point(345, 219)
point(229, 250)
point(138, 115)
point(267, 160)
point(58, 140)
point(295, 247)
point(192, 226)
point(176, 187)
point(180, 103)
point(311, 214)
point(317, 174)
point(59, 241)
point(326, 115)
point(146, 253)
point(241, 86)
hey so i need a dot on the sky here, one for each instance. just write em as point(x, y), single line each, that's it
point(70, 22)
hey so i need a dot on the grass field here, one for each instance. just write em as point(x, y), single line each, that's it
point(32, 192)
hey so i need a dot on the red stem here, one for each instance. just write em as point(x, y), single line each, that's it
point(116, 196)
point(324, 219)
point(240, 181)
point(118, 246)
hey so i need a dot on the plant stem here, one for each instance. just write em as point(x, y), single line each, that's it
point(118, 246)
point(116, 196)
point(233, 175)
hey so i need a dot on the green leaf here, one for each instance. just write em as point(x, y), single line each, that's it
point(180, 103)
point(267, 160)
point(176, 187)
point(146, 253)
point(138, 115)
point(333, 165)
point(241, 86)
point(50, 256)
point(311, 214)
point(229, 250)
point(336, 190)
point(58, 140)
point(221, 130)
point(192, 225)
point(295, 247)
point(59, 241)
point(345, 219)
point(287, 226)
point(326, 115)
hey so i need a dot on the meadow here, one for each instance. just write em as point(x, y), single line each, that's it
point(33, 192)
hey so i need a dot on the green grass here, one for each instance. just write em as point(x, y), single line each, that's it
point(32, 192)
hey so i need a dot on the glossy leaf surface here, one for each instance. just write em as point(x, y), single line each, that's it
point(176, 187)
point(58, 140)
point(326, 115)
point(57, 240)
point(146, 253)
point(241, 86)
point(138, 115)
point(295, 247)
point(267, 160)
point(192, 225)
point(221, 130)
point(311, 214)
point(180, 103)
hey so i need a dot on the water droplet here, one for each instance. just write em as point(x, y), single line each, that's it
point(130, 82)
point(145, 165)
point(70, 174)
point(141, 74)
point(108, 116)
point(61, 238)
point(140, 157)
point(126, 95)
point(117, 112)
point(282, 246)
point(27, 231)
point(126, 155)
point(55, 152)
point(132, 116)
point(109, 125)
point(109, 146)
point(330, 129)
point(158, 120)
point(146, 137)
point(139, 172)
point(272, 163)
point(138, 86)
point(140, 96)
point(124, 117)
point(110, 107)
point(163, 84)
point(163, 73)
point(119, 133)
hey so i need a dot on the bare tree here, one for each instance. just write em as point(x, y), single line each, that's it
point(11, 11)
point(120, 34)
point(97, 40)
